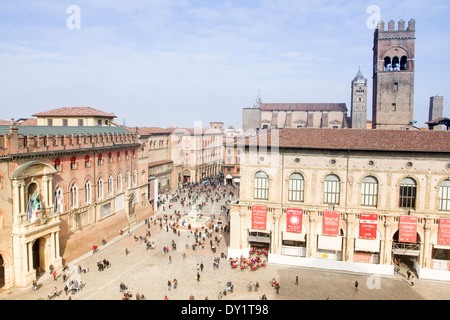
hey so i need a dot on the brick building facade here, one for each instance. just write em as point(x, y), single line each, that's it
point(63, 190)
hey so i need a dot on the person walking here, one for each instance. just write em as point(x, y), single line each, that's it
point(170, 259)
point(169, 284)
point(356, 286)
point(277, 288)
point(198, 277)
point(256, 286)
point(296, 280)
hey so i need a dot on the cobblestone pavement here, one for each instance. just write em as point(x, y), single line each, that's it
point(147, 272)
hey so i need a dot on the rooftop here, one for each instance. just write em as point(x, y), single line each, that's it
point(360, 139)
point(52, 130)
point(303, 107)
point(75, 112)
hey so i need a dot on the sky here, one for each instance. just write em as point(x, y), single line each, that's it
point(161, 63)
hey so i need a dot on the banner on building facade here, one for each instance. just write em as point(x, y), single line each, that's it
point(407, 231)
point(330, 223)
point(368, 225)
point(259, 217)
point(294, 220)
point(444, 231)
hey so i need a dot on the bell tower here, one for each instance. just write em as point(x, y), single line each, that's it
point(359, 102)
point(393, 76)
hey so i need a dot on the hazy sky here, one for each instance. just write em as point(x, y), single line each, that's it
point(173, 62)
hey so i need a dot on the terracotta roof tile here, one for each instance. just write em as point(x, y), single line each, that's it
point(74, 112)
point(360, 139)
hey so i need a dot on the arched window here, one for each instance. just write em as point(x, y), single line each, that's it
point(58, 203)
point(408, 191)
point(127, 180)
point(396, 64)
point(261, 186)
point(296, 187)
point(86, 162)
point(100, 189)
point(119, 183)
point(134, 178)
point(444, 196)
point(87, 193)
point(73, 196)
point(387, 64)
point(110, 186)
point(332, 189)
point(369, 192)
point(403, 63)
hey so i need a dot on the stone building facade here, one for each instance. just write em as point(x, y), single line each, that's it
point(63, 190)
point(349, 181)
point(196, 153)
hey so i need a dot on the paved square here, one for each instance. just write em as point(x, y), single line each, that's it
point(147, 272)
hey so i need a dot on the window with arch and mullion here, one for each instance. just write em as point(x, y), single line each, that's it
point(261, 186)
point(73, 196)
point(408, 193)
point(296, 187)
point(369, 192)
point(444, 195)
point(332, 189)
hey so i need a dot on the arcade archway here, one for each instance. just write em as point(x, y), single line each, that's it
point(406, 255)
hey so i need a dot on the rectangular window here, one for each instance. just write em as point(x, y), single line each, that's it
point(65, 122)
point(332, 191)
point(80, 122)
point(369, 194)
point(444, 198)
point(262, 188)
point(408, 196)
point(50, 122)
point(296, 188)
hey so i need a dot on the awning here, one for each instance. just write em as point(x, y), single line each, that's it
point(294, 236)
point(367, 245)
point(330, 243)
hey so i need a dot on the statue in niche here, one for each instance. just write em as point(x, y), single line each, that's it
point(35, 207)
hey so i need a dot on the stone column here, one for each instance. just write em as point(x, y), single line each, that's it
point(52, 247)
point(28, 256)
point(387, 258)
point(242, 230)
point(312, 241)
point(426, 262)
point(349, 243)
point(276, 247)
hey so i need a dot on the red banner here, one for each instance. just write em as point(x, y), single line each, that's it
point(330, 223)
point(368, 225)
point(408, 229)
point(294, 220)
point(259, 217)
point(444, 231)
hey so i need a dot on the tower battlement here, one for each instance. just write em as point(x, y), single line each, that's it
point(400, 26)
